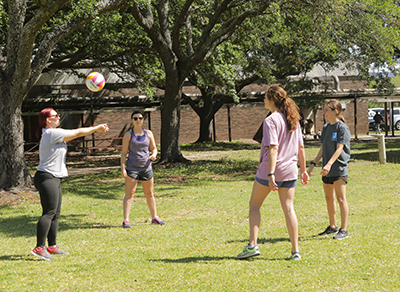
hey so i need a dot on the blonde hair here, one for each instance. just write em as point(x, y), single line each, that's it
point(286, 105)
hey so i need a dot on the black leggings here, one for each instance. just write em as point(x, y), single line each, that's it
point(49, 188)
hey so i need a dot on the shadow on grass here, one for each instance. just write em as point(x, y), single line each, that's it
point(193, 259)
point(25, 226)
point(226, 168)
point(109, 185)
point(24, 258)
point(391, 156)
point(219, 146)
point(213, 259)
point(261, 240)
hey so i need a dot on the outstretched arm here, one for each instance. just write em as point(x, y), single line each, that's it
point(76, 133)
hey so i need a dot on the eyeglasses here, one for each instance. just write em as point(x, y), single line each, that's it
point(55, 116)
point(137, 118)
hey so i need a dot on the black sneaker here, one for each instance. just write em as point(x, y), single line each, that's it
point(329, 230)
point(341, 234)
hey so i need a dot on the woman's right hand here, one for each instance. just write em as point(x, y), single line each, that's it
point(102, 128)
point(123, 173)
point(272, 183)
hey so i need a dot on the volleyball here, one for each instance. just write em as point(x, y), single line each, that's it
point(95, 81)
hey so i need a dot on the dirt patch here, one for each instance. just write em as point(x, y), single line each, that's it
point(18, 195)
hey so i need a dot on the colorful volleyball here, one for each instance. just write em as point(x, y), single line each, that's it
point(95, 81)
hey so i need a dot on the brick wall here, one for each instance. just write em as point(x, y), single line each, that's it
point(245, 121)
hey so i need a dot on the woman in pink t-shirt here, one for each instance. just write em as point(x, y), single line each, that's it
point(277, 170)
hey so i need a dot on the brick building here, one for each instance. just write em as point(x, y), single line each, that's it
point(244, 118)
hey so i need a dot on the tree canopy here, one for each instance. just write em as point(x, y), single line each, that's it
point(221, 45)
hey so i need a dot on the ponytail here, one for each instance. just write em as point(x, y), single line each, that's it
point(286, 105)
point(292, 113)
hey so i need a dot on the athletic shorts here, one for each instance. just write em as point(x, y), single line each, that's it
point(331, 179)
point(281, 184)
point(142, 175)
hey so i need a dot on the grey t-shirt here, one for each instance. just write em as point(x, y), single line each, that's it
point(330, 137)
point(52, 152)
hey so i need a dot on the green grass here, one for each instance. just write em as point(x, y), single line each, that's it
point(205, 207)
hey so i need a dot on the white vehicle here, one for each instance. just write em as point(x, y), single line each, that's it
point(381, 111)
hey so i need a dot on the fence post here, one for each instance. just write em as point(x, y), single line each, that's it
point(382, 148)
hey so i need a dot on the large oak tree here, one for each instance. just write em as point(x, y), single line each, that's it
point(30, 32)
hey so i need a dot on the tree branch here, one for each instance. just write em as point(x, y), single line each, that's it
point(183, 18)
point(52, 38)
point(211, 41)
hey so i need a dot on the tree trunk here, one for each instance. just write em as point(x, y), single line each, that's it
point(13, 169)
point(205, 129)
point(211, 105)
point(170, 122)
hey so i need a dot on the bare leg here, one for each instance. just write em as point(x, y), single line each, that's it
point(148, 189)
point(340, 190)
point(286, 196)
point(330, 204)
point(258, 196)
point(130, 188)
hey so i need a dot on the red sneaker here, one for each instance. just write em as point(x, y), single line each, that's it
point(41, 253)
point(56, 250)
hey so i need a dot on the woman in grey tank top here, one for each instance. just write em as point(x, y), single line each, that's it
point(137, 166)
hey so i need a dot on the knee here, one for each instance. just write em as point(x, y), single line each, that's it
point(50, 213)
point(149, 195)
point(341, 200)
point(254, 207)
point(129, 196)
point(329, 198)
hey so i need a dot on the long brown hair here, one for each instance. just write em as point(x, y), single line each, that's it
point(44, 114)
point(334, 104)
point(285, 104)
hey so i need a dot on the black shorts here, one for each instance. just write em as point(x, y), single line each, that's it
point(142, 175)
point(331, 179)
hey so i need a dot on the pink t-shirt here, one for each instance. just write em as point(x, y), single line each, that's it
point(275, 132)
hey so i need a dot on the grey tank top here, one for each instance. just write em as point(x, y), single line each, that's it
point(139, 157)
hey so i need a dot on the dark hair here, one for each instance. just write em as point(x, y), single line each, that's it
point(138, 112)
point(44, 114)
point(334, 104)
point(285, 104)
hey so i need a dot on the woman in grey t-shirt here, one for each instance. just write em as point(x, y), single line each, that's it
point(51, 169)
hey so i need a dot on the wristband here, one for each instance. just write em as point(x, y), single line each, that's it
point(312, 163)
point(271, 174)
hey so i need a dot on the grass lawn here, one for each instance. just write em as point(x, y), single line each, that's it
point(205, 207)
